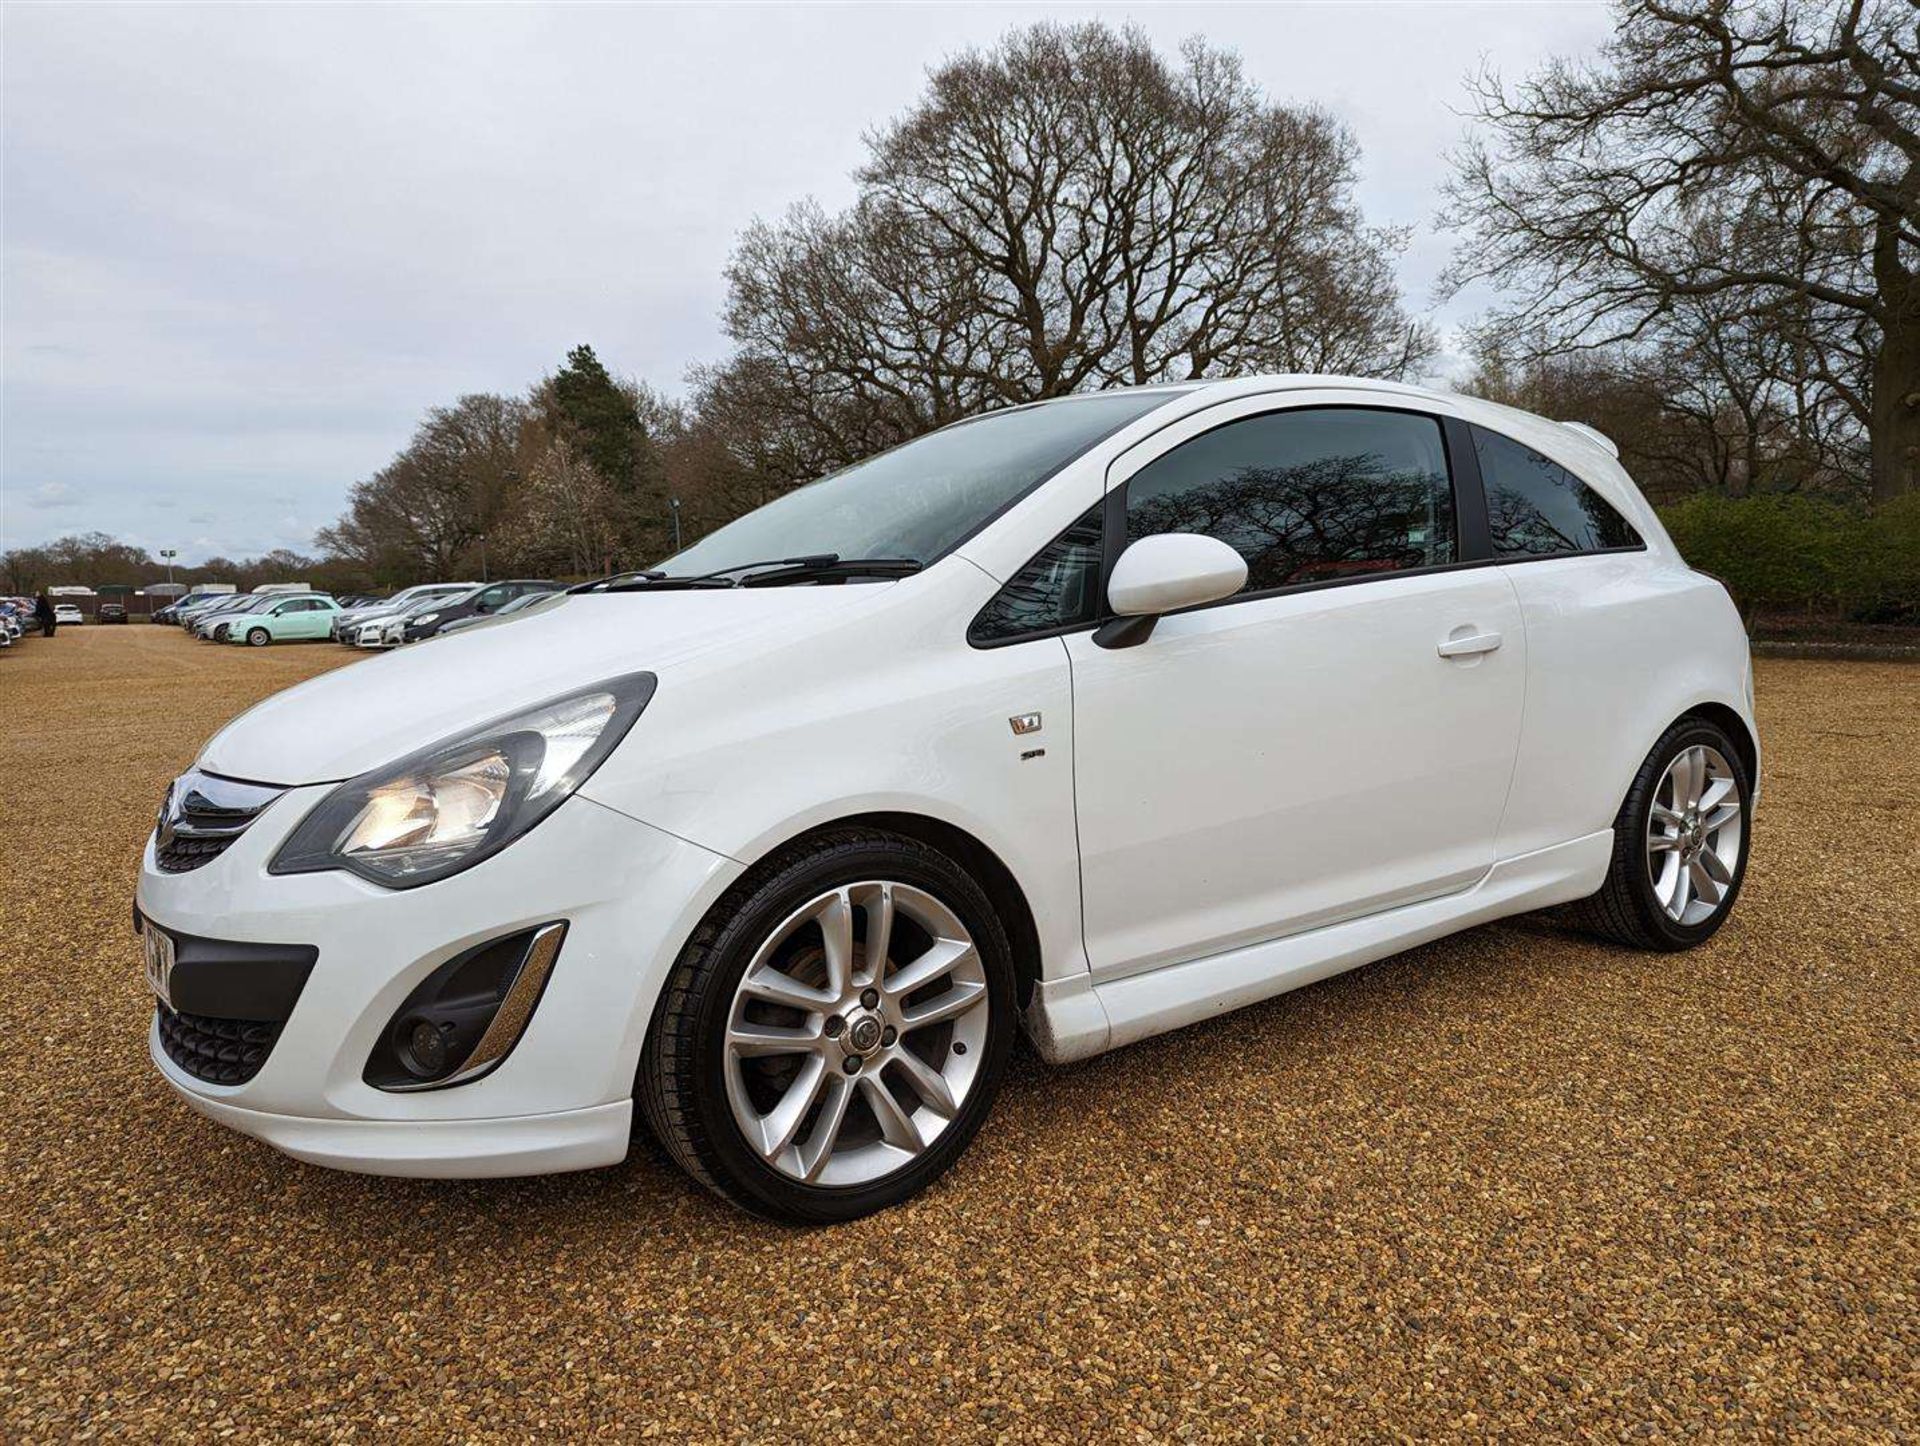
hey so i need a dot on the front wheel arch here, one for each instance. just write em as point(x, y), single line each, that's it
point(1002, 889)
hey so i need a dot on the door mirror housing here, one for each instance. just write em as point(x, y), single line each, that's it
point(1163, 574)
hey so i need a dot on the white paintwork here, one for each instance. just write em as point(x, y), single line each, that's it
point(1264, 792)
point(1084, 1018)
point(1276, 764)
point(1172, 571)
point(1594, 435)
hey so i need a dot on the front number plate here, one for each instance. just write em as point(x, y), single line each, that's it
point(159, 946)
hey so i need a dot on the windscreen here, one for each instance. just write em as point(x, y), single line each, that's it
point(925, 497)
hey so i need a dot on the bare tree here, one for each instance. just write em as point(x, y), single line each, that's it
point(426, 511)
point(566, 515)
point(1764, 152)
point(1067, 210)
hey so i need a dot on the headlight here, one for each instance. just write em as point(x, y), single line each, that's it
point(453, 804)
point(426, 617)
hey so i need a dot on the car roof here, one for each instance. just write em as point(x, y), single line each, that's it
point(1544, 432)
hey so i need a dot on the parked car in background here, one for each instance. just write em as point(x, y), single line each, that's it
point(112, 612)
point(205, 606)
point(68, 614)
point(1095, 717)
point(482, 601)
point(191, 618)
point(178, 609)
point(295, 619)
point(387, 630)
point(212, 625)
point(519, 607)
point(346, 626)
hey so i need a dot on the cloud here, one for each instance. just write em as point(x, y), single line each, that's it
point(243, 257)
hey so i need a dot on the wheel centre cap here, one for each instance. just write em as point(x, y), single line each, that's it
point(863, 1033)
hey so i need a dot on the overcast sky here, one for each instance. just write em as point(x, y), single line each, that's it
point(246, 246)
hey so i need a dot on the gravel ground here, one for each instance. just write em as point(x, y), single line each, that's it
point(1514, 1183)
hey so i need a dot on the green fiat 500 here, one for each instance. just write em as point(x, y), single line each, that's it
point(306, 618)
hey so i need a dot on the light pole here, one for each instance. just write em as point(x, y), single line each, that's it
point(674, 503)
point(170, 554)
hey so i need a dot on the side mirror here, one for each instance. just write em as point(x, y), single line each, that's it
point(1163, 574)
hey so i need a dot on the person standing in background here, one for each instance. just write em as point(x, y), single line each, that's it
point(43, 615)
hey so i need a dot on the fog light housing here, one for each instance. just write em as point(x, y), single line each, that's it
point(466, 1016)
point(424, 1049)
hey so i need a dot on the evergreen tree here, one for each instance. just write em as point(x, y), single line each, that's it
point(597, 418)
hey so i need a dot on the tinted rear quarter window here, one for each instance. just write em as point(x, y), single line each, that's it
point(1537, 508)
point(1307, 495)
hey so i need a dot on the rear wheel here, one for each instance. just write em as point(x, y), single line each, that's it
point(258, 637)
point(835, 1032)
point(1679, 843)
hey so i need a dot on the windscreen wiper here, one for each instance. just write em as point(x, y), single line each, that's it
point(770, 572)
point(596, 584)
point(810, 569)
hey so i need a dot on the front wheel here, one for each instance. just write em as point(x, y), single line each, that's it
point(834, 1033)
point(258, 637)
point(1680, 843)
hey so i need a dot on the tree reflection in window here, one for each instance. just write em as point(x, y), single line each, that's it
point(1307, 496)
point(1058, 588)
point(1537, 508)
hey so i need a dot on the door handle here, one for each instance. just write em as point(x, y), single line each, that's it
point(1469, 645)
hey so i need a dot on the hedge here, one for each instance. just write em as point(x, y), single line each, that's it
point(1782, 551)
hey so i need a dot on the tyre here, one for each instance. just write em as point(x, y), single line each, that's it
point(1680, 843)
point(258, 637)
point(835, 1031)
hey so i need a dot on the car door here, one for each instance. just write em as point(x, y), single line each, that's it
point(310, 619)
point(1335, 740)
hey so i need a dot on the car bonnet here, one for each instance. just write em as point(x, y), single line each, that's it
point(378, 709)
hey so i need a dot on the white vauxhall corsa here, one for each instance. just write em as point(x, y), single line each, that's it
point(1094, 717)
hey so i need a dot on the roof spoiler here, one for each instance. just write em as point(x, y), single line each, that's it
point(1594, 435)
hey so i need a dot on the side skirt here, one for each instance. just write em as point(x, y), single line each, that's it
point(1078, 1017)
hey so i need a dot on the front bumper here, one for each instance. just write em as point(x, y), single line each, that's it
point(432, 1149)
point(562, 1099)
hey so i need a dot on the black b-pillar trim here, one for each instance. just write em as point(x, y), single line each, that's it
point(1469, 491)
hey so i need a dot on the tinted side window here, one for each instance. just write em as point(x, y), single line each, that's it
point(1536, 508)
point(1307, 496)
point(1059, 587)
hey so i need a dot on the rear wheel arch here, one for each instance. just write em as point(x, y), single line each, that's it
point(1728, 721)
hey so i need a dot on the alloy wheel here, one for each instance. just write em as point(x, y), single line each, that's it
point(1695, 831)
point(856, 1034)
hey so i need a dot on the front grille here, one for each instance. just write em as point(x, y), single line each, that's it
point(218, 1051)
point(204, 813)
point(178, 855)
